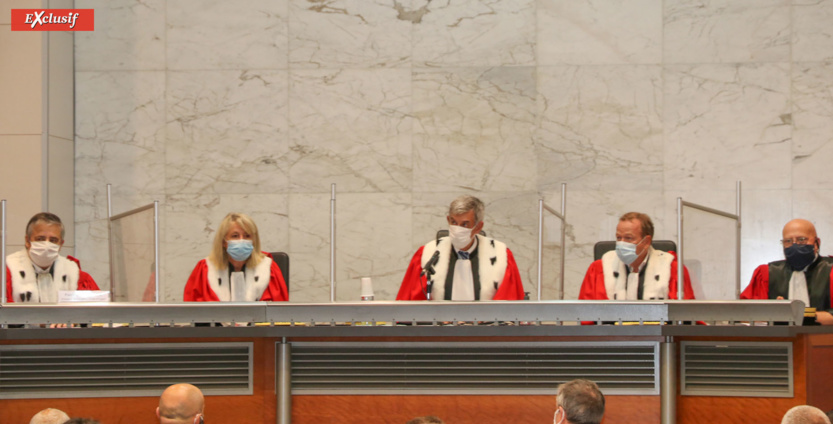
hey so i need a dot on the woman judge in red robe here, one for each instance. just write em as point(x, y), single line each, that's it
point(236, 269)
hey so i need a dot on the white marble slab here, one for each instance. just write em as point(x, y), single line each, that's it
point(615, 141)
point(226, 132)
point(599, 32)
point(352, 128)
point(727, 122)
point(812, 118)
point(216, 34)
point(473, 33)
point(726, 31)
point(358, 33)
point(129, 35)
point(474, 129)
point(812, 34)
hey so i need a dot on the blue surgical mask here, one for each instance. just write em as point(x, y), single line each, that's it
point(626, 251)
point(240, 250)
point(800, 256)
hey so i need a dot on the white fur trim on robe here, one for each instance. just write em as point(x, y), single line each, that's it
point(25, 282)
point(491, 275)
point(256, 282)
point(657, 276)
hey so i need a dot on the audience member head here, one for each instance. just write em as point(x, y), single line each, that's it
point(428, 419)
point(465, 220)
point(238, 239)
point(805, 414)
point(634, 234)
point(44, 238)
point(49, 416)
point(181, 404)
point(82, 421)
point(579, 402)
point(800, 242)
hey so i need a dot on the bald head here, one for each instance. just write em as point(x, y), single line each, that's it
point(805, 414)
point(180, 403)
point(49, 416)
point(798, 228)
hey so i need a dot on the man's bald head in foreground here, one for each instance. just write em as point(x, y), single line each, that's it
point(49, 416)
point(805, 414)
point(180, 403)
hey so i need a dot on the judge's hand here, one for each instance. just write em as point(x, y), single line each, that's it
point(779, 298)
point(824, 318)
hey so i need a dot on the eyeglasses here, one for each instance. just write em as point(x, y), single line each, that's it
point(798, 240)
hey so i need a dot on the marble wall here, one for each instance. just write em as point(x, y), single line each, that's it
point(259, 105)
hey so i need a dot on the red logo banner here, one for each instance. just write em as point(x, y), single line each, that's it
point(53, 19)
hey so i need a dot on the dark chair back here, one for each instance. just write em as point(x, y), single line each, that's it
point(282, 259)
point(603, 247)
point(444, 233)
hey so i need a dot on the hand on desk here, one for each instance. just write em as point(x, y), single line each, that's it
point(824, 318)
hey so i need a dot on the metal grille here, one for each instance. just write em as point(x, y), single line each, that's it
point(107, 370)
point(472, 368)
point(737, 369)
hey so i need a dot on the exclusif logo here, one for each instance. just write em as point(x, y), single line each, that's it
point(53, 19)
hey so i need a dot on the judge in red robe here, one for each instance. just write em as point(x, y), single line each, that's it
point(465, 265)
point(236, 269)
point(37, 273)
point(803, 275)
point(635, 270)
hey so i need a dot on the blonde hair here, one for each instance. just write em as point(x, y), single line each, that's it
point(219, 257)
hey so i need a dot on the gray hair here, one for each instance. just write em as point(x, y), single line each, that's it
point(805, 414)
point(467, 203)
point(50, 416)
point(582, 401)
point(45, 218)
point(428, 419)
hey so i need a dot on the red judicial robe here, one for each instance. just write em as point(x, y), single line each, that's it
point(773, 279)
point(660, 282)
point(264, 283)
point(497, 271)
point(21, 281)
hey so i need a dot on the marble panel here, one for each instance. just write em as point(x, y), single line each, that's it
point(129, 35)
point(61, 184)
point(60, 86)
point(309, 242)
point(226, 132)
point(815, 205)
point(21, 79)
point(352, 128)
point(217, 34)
point(812, 34)
point(474, 129)
point(360, 33)
point(120, 139)
point(7, 6)
point(725, 123)
point(22, 200)
point(812, 119)
point(599, 32)
point(473, 33)
point(726, 31)
point(601, 127)
point(191, 222)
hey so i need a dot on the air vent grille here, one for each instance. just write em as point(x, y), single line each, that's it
point(471, 368)
point(737, 369)
point(106, 370)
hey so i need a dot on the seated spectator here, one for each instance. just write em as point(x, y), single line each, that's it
point(579, 402)
point(181, 403)
point(236, 270)
point(428, 419)
point(805, 414)
point(49, 416)
point(82, 421)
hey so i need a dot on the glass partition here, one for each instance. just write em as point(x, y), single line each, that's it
point(134, 268)
point(710, 253)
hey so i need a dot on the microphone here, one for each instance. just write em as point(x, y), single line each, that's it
point(428, 271)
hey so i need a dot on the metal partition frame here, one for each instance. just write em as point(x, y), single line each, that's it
point(736, 216)
point(333, 242)
point(562, 216)
point(111, 218)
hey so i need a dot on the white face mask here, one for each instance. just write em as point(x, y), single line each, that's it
point(460, 236)
point(43, 253)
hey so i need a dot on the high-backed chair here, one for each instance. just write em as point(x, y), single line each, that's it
point(282, 259)
point(603, 247)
